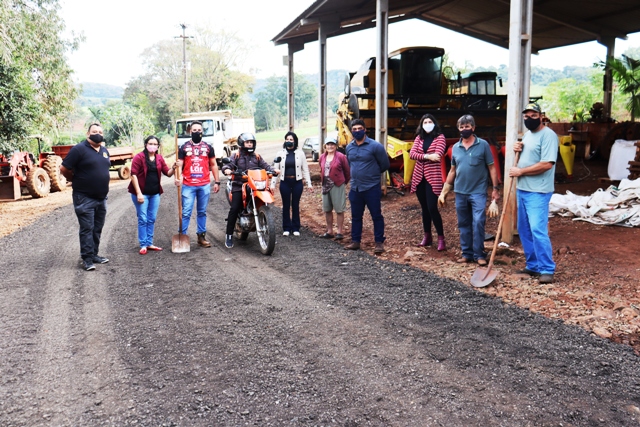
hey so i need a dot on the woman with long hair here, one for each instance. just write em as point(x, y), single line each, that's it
point(428, 150)
point(146, 169)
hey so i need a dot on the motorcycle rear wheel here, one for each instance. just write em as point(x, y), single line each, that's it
point(266, 223)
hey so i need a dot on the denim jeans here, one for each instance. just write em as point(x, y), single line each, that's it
point(91, 215)
point(371, 199)
point(470, 209)
point(533, 221)
point(147, 212)
point(291, 192)
point(189, 196)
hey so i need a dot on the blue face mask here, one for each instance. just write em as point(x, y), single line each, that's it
point(359, 134)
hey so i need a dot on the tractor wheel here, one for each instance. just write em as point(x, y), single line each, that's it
point(52, 166)
point(38, 183)
point(124, 172)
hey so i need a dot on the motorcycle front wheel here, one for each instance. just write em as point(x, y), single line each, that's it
point(267, 225)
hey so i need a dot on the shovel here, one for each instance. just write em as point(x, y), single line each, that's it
point(485, 276)
point(179, 242)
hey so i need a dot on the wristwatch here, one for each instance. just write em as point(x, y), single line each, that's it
point(217, 182)
point(495, 187)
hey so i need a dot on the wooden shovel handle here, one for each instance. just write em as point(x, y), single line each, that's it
point(507, 197)
point(177, 176)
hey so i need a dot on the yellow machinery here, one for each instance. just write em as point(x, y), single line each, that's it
point(568, 154)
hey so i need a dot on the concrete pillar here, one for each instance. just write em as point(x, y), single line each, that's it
point(324, 29)
point(292, 48)
point(610, 44)
point(382, 83)
point(520, 38)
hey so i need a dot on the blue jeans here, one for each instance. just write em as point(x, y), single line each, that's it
point(291, 192)
point(91, 215)
point(189, 196)
point(533, 222)
point(371, 199)
point(147, 212)
point(470, 209)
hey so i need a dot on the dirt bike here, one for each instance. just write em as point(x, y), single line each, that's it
point(256, 215)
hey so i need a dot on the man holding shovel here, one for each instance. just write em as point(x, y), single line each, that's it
point(197, 161)
point(535, 174)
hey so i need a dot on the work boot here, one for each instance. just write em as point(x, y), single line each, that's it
point(202, 240)
point(441, 245)
point(379, 249)
point(353, 246)
point(427, 240)
point(545, 279)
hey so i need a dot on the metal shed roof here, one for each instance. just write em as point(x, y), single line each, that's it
point(556, 23)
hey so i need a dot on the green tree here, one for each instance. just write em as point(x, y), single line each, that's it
point(214, 80)
point(565, 98)
point(36, 89)
point(123, 124)
point(271, 102)
point(626, 72)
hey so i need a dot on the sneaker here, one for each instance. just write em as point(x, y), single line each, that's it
point(100, 259)
point(228, 242)
point(379, 249)
point(353, 246)
point(296, 233)
point(286, 233)
point(87, 264)
point(545, 279)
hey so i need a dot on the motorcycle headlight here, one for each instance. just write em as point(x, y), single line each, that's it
point(260, 185)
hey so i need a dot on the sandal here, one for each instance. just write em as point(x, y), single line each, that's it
point(143, 251)
point(327, 236)
point(154, 248)
point(339, 236)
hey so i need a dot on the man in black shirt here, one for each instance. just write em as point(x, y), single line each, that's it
point(87, 167)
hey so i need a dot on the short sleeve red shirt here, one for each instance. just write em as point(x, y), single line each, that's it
point(196, 163)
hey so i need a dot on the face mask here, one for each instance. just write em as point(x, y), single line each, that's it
point(428, 127)
point(466, 133)
point(97, 138)
point(196, 137)
point(532, 124)
point(358, 134)
point(152, 148)
point(288, 144)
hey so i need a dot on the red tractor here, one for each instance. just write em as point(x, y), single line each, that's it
point(20, 170)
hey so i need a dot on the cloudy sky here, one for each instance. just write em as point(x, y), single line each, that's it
point(117, 31)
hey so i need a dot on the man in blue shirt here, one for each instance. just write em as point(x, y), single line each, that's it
point(535, 173)
point(471, 167)
point(368, 160)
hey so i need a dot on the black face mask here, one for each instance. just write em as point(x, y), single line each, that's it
point(466, 133)
point(532, 124)
point(97, 138)
point(288, 144)
point(196, 137)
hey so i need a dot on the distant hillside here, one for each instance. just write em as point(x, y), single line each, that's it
point(101, 90)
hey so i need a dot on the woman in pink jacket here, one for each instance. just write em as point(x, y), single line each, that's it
point(334, 175)
point(428, 150)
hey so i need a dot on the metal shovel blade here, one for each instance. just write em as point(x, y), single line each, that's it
point(180, 244)
point(483, 277)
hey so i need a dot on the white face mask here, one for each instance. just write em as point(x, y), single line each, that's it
point(428, 127)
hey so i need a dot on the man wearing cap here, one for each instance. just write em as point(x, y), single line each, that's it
point(535, 174)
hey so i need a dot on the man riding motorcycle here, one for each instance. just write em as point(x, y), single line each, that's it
point(245, 159)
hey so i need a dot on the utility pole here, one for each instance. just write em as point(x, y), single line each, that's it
point(184, 66)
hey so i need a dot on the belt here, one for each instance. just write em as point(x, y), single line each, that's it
point(290, 176)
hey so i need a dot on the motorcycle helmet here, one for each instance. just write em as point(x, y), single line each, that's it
point(247, 136)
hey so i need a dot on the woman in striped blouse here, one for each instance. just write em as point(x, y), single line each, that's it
point(428, 151)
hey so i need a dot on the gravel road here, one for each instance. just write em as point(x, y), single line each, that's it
point(311, 336)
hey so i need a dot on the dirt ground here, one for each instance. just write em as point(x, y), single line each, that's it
point(596, 283)
point(313, 335)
